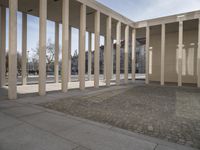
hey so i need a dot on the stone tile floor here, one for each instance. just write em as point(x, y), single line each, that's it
point(168, 113)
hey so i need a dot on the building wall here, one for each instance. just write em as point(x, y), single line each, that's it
point(189, 67)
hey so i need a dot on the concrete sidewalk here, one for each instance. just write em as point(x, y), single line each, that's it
point(26, 126)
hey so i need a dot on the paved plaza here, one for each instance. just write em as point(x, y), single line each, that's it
point(169, 113)
point(103, 119)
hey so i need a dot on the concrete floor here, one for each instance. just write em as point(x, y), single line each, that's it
point(26, 126)
point(170, 113)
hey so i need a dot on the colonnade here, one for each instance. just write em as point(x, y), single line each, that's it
point(180, 20)
point(66, 48)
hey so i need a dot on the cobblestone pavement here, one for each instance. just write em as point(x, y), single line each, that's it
point(168, 113)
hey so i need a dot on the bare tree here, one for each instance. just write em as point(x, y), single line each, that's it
point(50, 53)
point(19, 66)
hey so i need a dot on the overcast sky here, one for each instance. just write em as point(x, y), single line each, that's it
point(145, 9)
point(133, 9)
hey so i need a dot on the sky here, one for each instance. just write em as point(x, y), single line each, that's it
point(135, 10)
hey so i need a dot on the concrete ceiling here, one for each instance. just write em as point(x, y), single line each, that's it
point(54, 13)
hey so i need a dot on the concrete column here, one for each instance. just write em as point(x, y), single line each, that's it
point(56, 62)
point(89, 56)
point(70, 49)
point(12, 75)
point(65, 45)
point(162, 74)
point(147, 54)
point(198, 58)
point(108, 49)
point(82, 46)
point(42, 47)
point(104, 70)
point(96, 52)
point(112, 58)
point(180, 52)
point(126, 54)
point(118, 48)
point(3, 47)
point(133, 53)
point(24, 49)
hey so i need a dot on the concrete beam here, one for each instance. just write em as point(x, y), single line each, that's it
point(166, 20)
point(107, 11)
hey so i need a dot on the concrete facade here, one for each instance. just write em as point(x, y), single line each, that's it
point(172, 43)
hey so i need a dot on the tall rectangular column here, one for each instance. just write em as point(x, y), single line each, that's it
point(56, 62)
point(198, 57)
point(96, 52)
point(126, 54)
point(89, 56)
point(65, 45)
point(162, 74)
point(104, 58)
point(112, 59)
point(108, 49)
point(42, 47)
point(147, 54)
point(3, 47)
point(133, 53)
point(118, 50)
point(180, 52)
point(24, 49)
point(12, 75)
point(82, 46)
point(70, 50)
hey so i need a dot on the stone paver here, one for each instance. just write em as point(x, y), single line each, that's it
point(21, 111)
point(26, 137)
point(81, 148)
point(26, 126)
point(7, 121)
point(51, 122)
point(8, 104)
point(98, 138)
point(168, 113)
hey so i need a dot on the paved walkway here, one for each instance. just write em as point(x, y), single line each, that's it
point(26, 126)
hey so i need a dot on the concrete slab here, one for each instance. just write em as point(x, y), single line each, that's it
point(26, 137)
point(21, 111)
point(7, 121)
point(81, 148)
point(51, 122)
point(161, 143)
point(97, 138)
point(8, 104)
point(161, 147)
